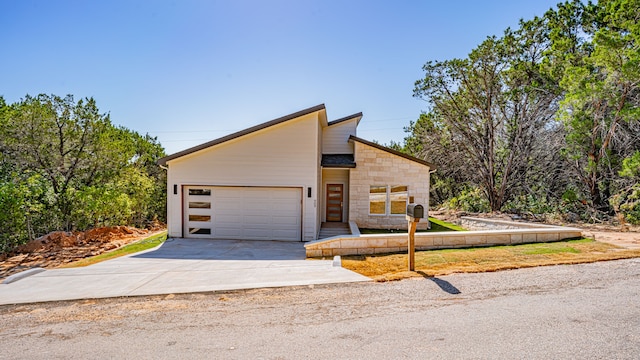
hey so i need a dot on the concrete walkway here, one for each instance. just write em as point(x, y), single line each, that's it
point(181, 266)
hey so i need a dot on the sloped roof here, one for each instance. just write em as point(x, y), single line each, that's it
point(164, 160)
point(394, 152)
point(347, 118)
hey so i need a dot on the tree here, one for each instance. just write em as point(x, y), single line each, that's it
point(65, 166)
point(70, 144)
point(601, 107)
point(492, 106)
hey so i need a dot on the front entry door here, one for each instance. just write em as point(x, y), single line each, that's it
point(334, 202)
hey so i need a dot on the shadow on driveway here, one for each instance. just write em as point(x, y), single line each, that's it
point(206, 249)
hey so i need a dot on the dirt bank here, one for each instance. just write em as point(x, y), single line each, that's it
point(59, 247)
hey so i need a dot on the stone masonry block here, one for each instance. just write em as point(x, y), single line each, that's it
point(389, 250)
point(397, 242)
point(333, 244)
point(499, 239)
point(426, 241)
point(569, 235)
point(544, 237)
point(475, 239)
point(314, 253)
point(366, 251)
point(529, 238)
point(345, 252)
point(453, 240)
point(516, 238)
point(352, 243)
point(377, 243)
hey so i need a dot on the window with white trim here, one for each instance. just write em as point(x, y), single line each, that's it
point(378, 200)
point(388, 199)
point(398, 197)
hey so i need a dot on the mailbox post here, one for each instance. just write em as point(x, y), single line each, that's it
point(415, 212)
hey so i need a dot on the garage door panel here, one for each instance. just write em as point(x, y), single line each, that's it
point(228, 204)
point(249, 220)
point(285, 210)
point(283, 220)
point(257, 207)
point(256, 234)
point(259, 195)
point(253, 213)
point(226, 233)
point(284, 234)
point(287, 194)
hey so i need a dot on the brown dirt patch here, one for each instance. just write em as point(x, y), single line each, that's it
point(59, 247)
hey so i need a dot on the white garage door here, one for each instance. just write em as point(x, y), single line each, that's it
point(251, 213)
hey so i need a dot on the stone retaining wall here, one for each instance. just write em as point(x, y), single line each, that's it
point(389, 243)
point(472, 223)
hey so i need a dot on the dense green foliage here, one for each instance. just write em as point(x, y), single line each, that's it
point(65, 166)
point(545, 119)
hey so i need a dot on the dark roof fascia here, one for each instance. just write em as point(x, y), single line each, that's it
point(346, 118)
point(394, 152)
point(327, 161)
point(164, 160)
point(340, 166)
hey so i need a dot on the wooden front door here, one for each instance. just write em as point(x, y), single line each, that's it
point(334, 202)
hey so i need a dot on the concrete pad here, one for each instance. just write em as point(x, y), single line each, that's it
point(22, 275)
point(182, 266)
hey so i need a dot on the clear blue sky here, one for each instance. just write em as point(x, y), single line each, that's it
point(191, 71)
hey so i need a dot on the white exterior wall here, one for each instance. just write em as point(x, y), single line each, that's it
point(335, 138)
point(319, 199)
point(335, 176)
point(283, 155)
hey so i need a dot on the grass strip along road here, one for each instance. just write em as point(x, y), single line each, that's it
point(386, 267)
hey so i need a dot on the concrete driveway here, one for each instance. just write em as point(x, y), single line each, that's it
point(181, 266)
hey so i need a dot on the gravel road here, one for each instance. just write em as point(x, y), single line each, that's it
point(561, 312)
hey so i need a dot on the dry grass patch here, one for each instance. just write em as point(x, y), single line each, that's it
point(387, 267)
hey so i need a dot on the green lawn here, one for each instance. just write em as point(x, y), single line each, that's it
point(436, 225)
point(132, 248)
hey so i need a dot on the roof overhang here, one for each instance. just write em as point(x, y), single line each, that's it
point(392, 151)
point(357, 117)
point(323, 117)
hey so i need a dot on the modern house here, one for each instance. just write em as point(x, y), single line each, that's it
point(282, 179)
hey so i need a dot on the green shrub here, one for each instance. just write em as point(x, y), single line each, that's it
point(469, 199)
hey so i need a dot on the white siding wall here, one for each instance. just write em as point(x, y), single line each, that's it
point(319, 199)
point(335, 138)
point(282, 155)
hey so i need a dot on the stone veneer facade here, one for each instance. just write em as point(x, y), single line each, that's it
point(376, 167)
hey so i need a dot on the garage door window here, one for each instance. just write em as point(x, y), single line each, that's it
point(200, 231)
point(203, 218)
point(199, 205)
point(204, 192)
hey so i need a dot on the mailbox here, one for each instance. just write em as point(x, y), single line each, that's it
point(415, 211)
